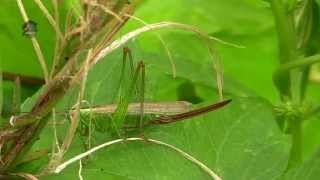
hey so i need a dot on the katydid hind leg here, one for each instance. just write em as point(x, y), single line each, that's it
point(142, 96)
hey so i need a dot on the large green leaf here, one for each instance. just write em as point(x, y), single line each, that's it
point(248, 23)
point(240, 141)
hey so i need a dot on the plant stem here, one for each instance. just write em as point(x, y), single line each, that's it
point(285, 29)
point(49, 17)
point(35, 43)
point(287, 45)
point(288, 78)
point(295, 129)
point(300, 63)
point(37, 119)
point(60, 43)
point(26, 80)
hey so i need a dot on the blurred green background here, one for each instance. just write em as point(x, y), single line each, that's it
point(248, 70)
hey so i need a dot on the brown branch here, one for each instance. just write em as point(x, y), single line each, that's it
point(54, 91)
point(26, 80)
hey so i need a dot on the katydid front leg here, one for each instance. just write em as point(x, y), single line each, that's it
point(120, 114)
point(125, 54)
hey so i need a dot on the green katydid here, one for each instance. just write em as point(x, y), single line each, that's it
point(166, 112)
point(162, 112)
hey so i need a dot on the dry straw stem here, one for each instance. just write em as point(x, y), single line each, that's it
point(75, 116)
point(165, 25)
point(74, 119)
point(80, 170)
point(105, 9)
point(151, 27)
point(59, 43)
point(26, 176)
point(41, 59)
point(108, 11)
point(67, 77)
point(217, 66)
point(173, 65)
point(35, 43)
point(53, 92)
point(205, 168)
point(55, 145)
point(51, 20)
point(27, 80)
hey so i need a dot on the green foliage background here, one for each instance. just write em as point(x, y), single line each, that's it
point(240, 141)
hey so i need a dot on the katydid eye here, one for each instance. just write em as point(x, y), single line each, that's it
point(29, 29)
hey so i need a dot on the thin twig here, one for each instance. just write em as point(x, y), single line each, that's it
point(74, 122)
point(23, 11)
point(51, 20)
point(67, 77)
point(173, 65)
point(80, 170)
point(35, 43)
point(105, 9)
point(59, 43)
point(74, 119)
point(26, 176)
point(26, 80)
point(106, 39)
point(165, 25)
point(218, 68)
point(55, 131)
point(57, 157)
point(150, 27)
point(41, 59)
point(182, 153)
